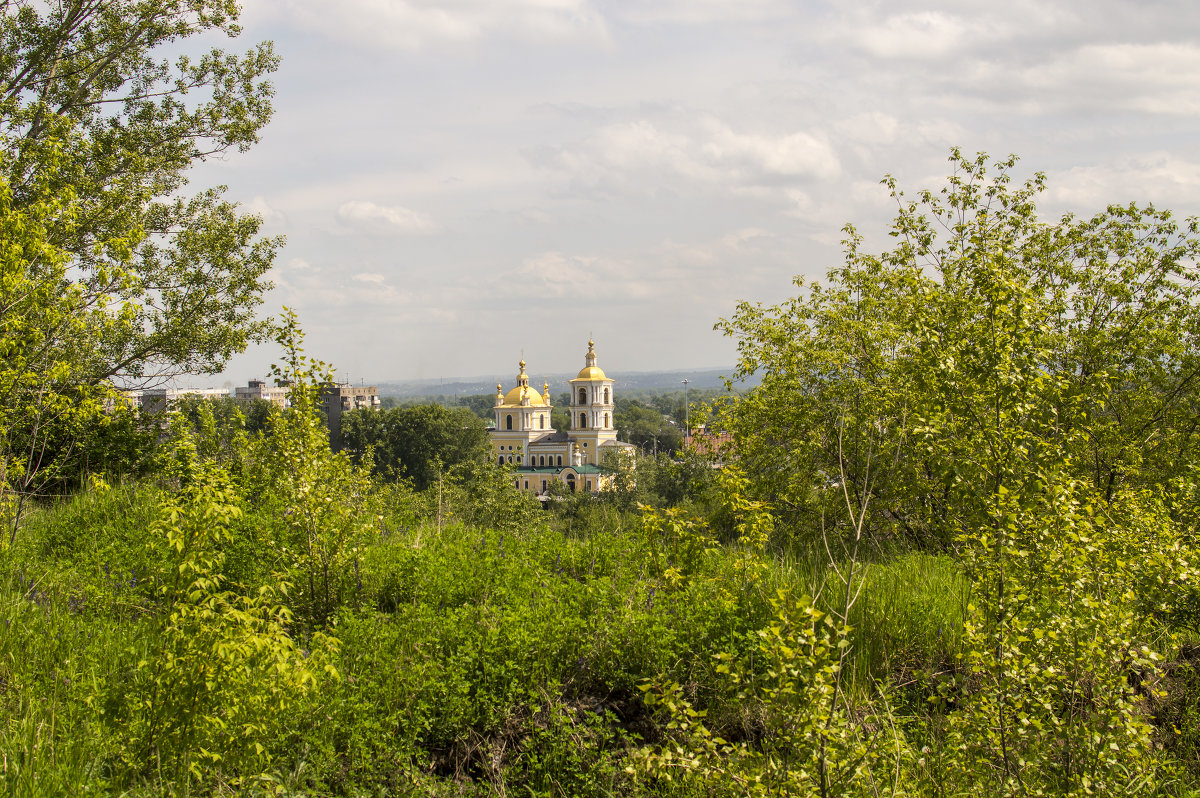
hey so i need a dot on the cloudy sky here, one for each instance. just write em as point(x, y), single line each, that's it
point(459, 180)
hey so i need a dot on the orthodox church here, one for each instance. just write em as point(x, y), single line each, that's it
point(523, 437)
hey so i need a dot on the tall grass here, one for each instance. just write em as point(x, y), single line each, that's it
point(466, 653)
point(907, 613)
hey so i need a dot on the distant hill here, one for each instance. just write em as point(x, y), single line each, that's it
point(700, 379)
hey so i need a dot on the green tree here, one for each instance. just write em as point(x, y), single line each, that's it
point(907, 374)
point(479, 404)
point(1002, 386)
point(320, 500)
point(92, 109)
point(112, 273)
point(47, 328)
point(418, 442)
point(560, 415)
point(646, 427)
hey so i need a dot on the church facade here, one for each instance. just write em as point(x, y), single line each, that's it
point(541, 455)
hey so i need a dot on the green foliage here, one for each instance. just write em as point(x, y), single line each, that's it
point(967, 392)
point(1056, 626)
point(811, 745)
point(317, 496)
point(647, 428)
point(480, 493)
point(224, 665)
point(85, 91)
point(416, 443)
point(983, 320)
point(46, 354)
point(109, 275)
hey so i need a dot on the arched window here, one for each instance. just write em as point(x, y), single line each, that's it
point(510, 458)
point(508, 422)
point(606, 420)
point(501, 459)
point(605, 396)
point(583, 396)
point(560, 459)
point(583, 420)
point(571, 482)
point(541, 420)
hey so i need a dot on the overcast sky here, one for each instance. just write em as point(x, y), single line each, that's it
point(461, 179)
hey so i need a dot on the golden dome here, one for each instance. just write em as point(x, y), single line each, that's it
point(591, 371)
point(517, 395)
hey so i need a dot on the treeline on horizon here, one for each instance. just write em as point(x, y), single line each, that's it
point(654, 420)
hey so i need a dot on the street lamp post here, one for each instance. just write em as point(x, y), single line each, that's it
point(687, 424)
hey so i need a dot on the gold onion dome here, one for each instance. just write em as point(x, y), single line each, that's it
point(517, 395)
point(591, 371)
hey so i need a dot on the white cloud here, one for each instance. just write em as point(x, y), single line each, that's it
point(1162, 178)
point(272, 218)
point(923, 35)
point(644, 156)
point(757, 157)
point(367, 217)
point(1032, 57)
point(419, 24)
point(557, 276)
point(1160, 78)
point(703, 12)
point(870, 127)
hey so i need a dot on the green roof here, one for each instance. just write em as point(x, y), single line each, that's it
point(580, 469)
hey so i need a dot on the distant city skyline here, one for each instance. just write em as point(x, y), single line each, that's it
point(453, 178)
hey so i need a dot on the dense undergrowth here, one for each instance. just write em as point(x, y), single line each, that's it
point(460, 660)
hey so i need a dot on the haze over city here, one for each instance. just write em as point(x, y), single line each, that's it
point(459, 182)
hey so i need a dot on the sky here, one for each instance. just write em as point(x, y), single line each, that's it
point(463, 183)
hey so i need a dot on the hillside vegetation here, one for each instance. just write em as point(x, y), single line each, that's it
point(952, 552)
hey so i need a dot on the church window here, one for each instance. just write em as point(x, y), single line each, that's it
point(606, 420)
point(543, 486)
point(510, 458)
point(526, 484)
point(542, 460)
point(589, 484)
point(583, 420)
point(541, 420)
point(582, 396)
point(508, 422)
point(560, 459)
point(516, 483)
point(605, 396)
point(501, 459)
